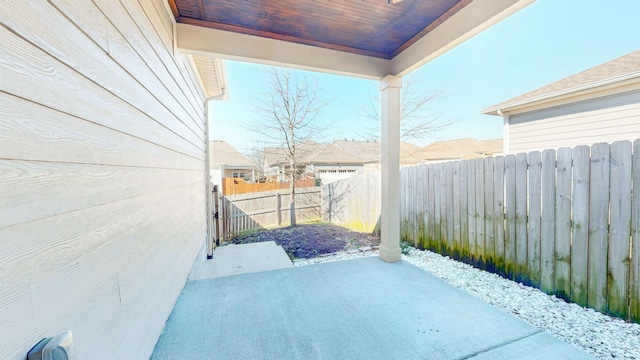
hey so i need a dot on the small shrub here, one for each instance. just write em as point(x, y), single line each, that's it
point(406, 247)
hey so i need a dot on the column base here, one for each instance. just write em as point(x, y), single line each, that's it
point(390, 255)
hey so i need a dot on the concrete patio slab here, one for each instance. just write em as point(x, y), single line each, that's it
point(245, 258)
point(355, 309)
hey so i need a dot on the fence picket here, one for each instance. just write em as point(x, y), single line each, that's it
point(480, 232)
point(580, 233)
point(634, 276)
point(464, 210)
point(620, 231)
point(450, 201)
point(547, 234)
point(472, 212)
point(430, 208)
point(442, 189)
point(598, 227)
point(510, 216)
point(489, 228)
point(562, 265)
point(498, 213)
point(420, 190)
point(437, 205)
point(521, 218)
point(456, 211)
point(534, 218)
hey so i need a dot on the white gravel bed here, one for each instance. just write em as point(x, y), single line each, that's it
point(602, 336)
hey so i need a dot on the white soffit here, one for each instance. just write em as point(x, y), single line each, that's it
point(212, 73)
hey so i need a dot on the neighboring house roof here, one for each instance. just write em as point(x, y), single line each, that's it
point(222, 153)
point(339, 152)
point(460, 149)
point(492, 147)
point(368, 151)
point(275, 156)
point(625, 69)
point(333, 154)
point(409, 154)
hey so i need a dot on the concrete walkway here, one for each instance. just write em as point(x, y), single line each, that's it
point(246, 258)
point(355, 309)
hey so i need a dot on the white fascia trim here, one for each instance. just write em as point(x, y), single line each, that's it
point(197, 40)
point(573, 91)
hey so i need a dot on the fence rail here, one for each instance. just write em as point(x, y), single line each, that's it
point(266, 209)
point(565, 221)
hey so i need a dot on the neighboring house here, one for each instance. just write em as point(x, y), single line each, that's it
point(459, 149)
point(335, 161)
point(276, 163)
point(370, 153)
point(227, 162)
point(331, 163)
point(601, 104)
point(324, 162)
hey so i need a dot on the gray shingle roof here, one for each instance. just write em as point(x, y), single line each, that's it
point(466, 148)
point(222, 153)
point(339, 152)
point(622, 68)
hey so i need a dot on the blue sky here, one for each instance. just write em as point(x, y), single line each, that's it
point(546, 41)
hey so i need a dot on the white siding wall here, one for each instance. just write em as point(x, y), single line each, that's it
point(102, 175)
point(607, 119)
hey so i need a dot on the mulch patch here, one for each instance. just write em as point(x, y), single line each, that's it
point(311, 240)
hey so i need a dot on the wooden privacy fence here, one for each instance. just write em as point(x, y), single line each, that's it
point(231, 186)
point(353, 202)
point(565, 221)
point(240, 213)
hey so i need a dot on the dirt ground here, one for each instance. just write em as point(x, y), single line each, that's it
point(311, 240)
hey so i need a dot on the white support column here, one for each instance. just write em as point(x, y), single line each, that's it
point(390, 136)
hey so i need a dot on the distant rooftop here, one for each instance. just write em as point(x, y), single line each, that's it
point(623, 68)
point(368, 152)
point(222, 153)
point(460, 149)
point(340, 152)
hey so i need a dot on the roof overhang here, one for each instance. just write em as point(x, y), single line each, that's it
point(437, 37)
point(212, 75)
point(611, 86)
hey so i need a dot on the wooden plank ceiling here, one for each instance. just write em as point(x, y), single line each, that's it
point(366, 27)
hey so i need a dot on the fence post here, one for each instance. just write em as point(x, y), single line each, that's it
point(277, 210)
point(216, 214)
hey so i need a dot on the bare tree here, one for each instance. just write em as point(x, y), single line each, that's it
point(417, 121)
point(287, 114)
point(256, 155)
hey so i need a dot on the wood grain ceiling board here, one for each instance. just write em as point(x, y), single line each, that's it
point(366, 27)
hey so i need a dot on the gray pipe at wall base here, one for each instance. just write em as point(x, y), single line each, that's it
point(210, 242)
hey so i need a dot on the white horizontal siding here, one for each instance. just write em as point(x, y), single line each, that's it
point(102, 175)
point(606, 119)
